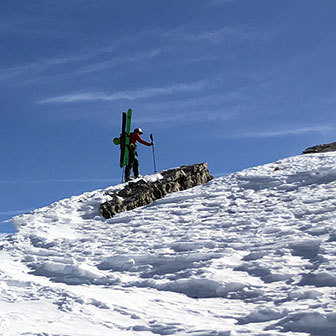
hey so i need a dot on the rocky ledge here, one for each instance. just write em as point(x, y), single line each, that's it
point(331, 147)
point(142, 192)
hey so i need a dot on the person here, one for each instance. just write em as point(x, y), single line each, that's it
point(133, 162)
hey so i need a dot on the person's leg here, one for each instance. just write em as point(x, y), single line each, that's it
point(129, 166)
point(136, 167)
point(127, 172)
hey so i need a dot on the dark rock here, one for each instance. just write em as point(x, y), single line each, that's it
point(136, 194)
point(331, 147)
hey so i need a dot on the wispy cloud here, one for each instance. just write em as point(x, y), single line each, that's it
point(14, 212)
point(181, 117)
point(126, 95)
point(183, 34)
point(220, 2)
point(205, 107)
point(283, 132)
point(40, 70)
point(200, 103)
point(221, 35)
point(40, 66)
point(19, 23)
point(165, 39)
point(137, 57)
point(83, 180)
point(43, 65)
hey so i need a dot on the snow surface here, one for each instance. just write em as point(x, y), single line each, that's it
point(252, 253)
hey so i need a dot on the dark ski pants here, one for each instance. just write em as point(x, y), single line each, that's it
point(133, 163)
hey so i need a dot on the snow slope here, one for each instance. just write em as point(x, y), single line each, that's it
point(252, 253)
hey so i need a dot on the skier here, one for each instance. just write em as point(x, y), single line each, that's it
point(133, 161)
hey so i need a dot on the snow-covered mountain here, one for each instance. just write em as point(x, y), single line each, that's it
point(252, 253)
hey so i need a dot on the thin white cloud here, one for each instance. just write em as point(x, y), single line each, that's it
point(37, 71)
point(138, 57)
point(18, 23)
point(84, 180)
point(14, 212)
point(165, 40)
point(126, 95)
point(205, 108)
point(282, 132)
point(200, 116)
point(220, 2)
point(34, 68)
point(221, 35)
point(200, 106)
point(42, 65)
point(217, 35)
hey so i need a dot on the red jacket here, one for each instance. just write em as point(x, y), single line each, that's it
point(136, 137)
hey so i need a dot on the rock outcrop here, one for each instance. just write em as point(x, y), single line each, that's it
point(142, 192)
point(331, 147)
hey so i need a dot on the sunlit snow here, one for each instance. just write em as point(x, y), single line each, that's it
point(252, 253)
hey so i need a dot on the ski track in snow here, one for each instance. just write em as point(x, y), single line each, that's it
point(252, 253)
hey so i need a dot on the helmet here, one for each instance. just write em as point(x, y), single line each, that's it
point(138, 130)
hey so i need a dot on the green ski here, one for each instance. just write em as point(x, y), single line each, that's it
point(127, 136)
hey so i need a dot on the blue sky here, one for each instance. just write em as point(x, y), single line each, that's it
point(236, 83)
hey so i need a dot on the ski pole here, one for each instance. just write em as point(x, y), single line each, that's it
point(154, 162)
point(122, 174)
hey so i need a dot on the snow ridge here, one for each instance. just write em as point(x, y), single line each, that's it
point(250, 253)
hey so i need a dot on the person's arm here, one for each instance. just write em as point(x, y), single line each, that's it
point(139, 139)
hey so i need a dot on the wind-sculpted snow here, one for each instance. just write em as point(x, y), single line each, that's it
point(252, 253)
